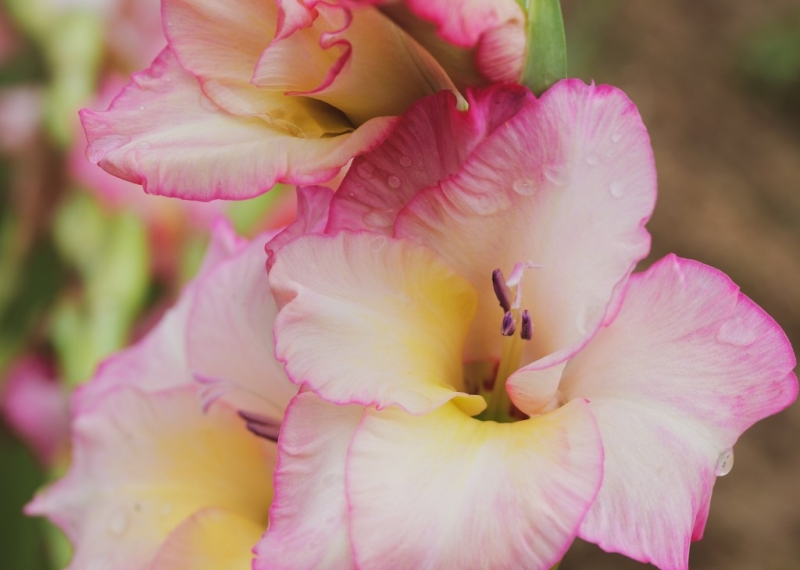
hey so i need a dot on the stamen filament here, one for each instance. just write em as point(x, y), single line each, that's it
point(499, 405)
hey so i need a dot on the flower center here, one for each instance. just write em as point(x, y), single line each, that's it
point(515, 327)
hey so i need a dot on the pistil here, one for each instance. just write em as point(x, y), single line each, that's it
point(498, 403)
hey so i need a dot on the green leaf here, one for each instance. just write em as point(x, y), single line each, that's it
point(546, 57)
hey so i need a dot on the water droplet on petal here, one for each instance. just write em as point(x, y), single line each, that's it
point(724, 463)
point(365, 170)
point(593, 159)
point(119, 522)
point(379, 218)
point(394, 182)
point(405, 161)
point(736, 333)
point(617, 189)
point(616, 137)
point(524, 187)
point(558, 175)
point(141, 107)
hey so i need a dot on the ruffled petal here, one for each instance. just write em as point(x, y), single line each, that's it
point(220, 43)
point(495, 27)
point(308, 518)
point(162, 132)
point(143, 463)
point(369, 320)
point(446, 491)
point(229, 335)
point(313, 205)
point(566, 184)
point(356, 61)
point(473, 18)
point(687, 366)
point(210, 539)
point(430, 143)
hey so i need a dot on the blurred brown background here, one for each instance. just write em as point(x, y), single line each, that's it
point(718, 85)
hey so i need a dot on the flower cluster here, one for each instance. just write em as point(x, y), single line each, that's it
point(448, 362)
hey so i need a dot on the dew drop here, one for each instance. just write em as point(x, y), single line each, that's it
point(616, 137)
point(394, 182)
point(593, 160)
point(724, 463)
point(736, 333)
point(119, 523)
point(141, 107)
point(405, 161)
point(378, 219)
point(365, 170)
point(617, 189)
point(558, 175)
point(524, 187)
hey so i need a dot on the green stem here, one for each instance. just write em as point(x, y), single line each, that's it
point(546, 58)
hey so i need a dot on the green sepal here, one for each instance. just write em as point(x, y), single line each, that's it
point(546, 55)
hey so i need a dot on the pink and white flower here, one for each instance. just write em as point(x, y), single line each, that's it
point(168, 472)
point(252, 93)
point(613, 400)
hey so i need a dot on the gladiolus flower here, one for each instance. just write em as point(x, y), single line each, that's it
point(252, 93)
point(475, 420)
point(168, 472)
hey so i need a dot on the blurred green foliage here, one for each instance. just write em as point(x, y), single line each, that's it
point(21, 541)
point(110, 254)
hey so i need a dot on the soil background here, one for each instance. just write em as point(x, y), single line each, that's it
point(725, 128)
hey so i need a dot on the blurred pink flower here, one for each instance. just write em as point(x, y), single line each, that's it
point(610, 402)
point(35, 406)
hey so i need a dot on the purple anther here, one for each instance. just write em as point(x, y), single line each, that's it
point(501, 290)
point(526, 328)
point(508, 326)
point(262, 426)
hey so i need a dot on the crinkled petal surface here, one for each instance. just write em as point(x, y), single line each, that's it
point(687, 366)
point(567, 183)
point(220, 43)
point(430, 143)
point(229, 335)
point(495, 27)
point(445, 491)
point(164, 133)
point(313, 205)
point(370, 320)
point(465, 25)
point(309, 516)
point(142, 464)
point(357, 61)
